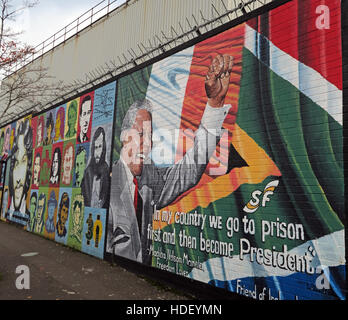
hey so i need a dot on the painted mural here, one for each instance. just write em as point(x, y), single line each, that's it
point(57, 173)
point(18, 172)
point(226, 161)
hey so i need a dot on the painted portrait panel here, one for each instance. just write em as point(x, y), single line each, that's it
point(33, 204)
point(51, 213)
point(40, 130)
point(71, 119)
point(94, 232)
point(45, 166)
point(37, 162)
point(96, 179)
point(39, 219)
point(49, 127)
point(7, 135)
point(81, 158)
point(59, 126)
point(76, 219)
point(56, 165)
point(20, 164)
point(63, 215)
point(84, 124)
point(68, 156)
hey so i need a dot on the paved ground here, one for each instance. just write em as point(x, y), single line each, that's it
point(60, 273)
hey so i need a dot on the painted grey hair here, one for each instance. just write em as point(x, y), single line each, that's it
point(130, 116)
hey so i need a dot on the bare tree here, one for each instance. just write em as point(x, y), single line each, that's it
point(26, 90)
point(11, 49)
point(30, 87)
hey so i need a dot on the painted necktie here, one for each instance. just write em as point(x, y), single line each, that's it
point(138, 204)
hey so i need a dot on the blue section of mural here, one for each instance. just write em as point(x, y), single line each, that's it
point(94, 232)
point(320, 286)
point(104, 103)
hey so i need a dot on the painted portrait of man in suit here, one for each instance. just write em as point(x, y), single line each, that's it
point(84, 125)
point(139, 187)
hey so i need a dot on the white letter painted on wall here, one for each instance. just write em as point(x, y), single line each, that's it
point(23, 281)
point(323, 21)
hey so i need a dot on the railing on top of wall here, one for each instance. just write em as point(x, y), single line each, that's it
point(100, 10)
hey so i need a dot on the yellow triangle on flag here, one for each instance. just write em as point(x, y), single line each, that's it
point(260, 166)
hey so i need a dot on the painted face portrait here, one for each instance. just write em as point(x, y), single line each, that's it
point(49, 129)
point(20, 173)
point(55, 166)
point(64, 210)
point(39, 134)
point(77, 211)
point(36, 169)
point(85, 119)
point(68, 162)
point(45, 170)
point(63, 215)
point(57, 129)
point(95, 182)
point(137, 142)
point(80, 166)
point(72, 117)
point(50, 210)
point(33, 205)
point(40, 128)
point(32, 211)
point(2, 139)
point(99, 144)
point(41, 210)
point(59, 125)
point(7, 140)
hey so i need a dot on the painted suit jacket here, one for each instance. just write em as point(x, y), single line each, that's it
point(158, 187)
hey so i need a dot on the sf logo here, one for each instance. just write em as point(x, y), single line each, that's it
point(260, 198)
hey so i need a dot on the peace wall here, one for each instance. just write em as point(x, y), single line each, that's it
point(221, 162)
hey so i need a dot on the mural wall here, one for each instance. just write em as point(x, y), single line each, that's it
point(227, 161)
point(57, 171)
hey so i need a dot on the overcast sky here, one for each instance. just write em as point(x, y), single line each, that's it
point(50, 16)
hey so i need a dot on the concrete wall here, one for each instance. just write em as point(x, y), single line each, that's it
point(136, 22)
point(111, 38)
